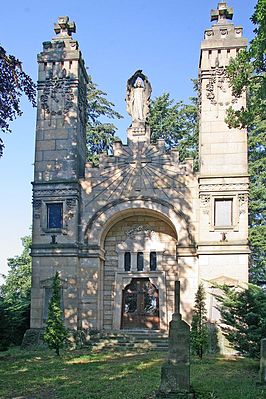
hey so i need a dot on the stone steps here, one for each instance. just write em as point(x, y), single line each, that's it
point(131, 340)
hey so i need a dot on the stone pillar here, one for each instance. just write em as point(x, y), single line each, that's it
point(175, 373)
point(223, 180)
point(60, 157)
point(262, 372)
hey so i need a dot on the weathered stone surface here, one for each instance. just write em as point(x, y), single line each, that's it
point(175, 373)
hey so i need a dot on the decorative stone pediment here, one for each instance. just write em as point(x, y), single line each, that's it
point(224, 280)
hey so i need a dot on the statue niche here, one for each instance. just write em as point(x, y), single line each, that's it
point(138, 98)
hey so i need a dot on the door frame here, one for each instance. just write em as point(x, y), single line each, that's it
point(122, 279)
point(139, 316)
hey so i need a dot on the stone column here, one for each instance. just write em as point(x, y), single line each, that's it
point(60, 157)
point(223, 179)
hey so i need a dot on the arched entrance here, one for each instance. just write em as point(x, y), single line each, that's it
point(139, 265)
point(140, 305)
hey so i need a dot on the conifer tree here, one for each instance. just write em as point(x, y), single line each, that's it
point(55, 332)
point(243, 317)
point(100, 134)
point(199, 328)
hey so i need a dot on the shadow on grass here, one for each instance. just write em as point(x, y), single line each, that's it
point(119, 375)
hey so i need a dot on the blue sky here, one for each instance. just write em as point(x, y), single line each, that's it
point(116, 37)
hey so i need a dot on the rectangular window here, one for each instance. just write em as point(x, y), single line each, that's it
point(140, 261)
point(127, 259)
point(153, 261)
point(223, 212)
point(55, 216)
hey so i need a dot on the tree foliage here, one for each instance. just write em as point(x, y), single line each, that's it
point(100, 134)
point(246, 73)
point(199, 327)
point(13, 83)
point(176, 123)
point(55, 334)
point(243, 317)
point(15, 294)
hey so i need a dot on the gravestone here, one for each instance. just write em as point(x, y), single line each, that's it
point(262, 372)
point(175, 373)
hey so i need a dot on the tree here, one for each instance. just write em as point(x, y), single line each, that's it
point(243, 317)
point(100, 134)
point(13, 83)
point(4, 327)
point(246, 73)
point(55, 334)
point(199, 328)
point(176, 123)
point(15, 293)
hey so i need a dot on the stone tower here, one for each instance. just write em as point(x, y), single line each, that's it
point(59, 164)
point(223, 177)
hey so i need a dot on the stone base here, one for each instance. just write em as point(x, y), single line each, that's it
point(175, 395)
point(33, 339)
point(174, 378)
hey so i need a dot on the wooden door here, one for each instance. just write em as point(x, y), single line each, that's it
point(140, 309)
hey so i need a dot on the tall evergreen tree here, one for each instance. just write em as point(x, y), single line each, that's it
point(55, 334)
point(247, 74)
point(100, 134)
point(243, 317)
point(199, 328)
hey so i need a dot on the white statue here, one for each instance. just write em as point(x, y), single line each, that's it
point(138, 97)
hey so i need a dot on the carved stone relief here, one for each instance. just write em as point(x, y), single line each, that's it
point(243, 201)
point(57, 94)
point(217, 87)
point(205, 203)
point(56, 193)
point(224, 187)
point(37, 204)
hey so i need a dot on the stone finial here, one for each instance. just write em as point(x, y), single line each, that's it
point(64, 28)
point(222, 13)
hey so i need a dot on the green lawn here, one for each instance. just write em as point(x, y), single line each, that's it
point(120, 375)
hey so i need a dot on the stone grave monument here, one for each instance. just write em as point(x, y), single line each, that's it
point(175, 373)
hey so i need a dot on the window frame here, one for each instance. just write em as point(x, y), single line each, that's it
point(125, 263)
point(138, 257)
point(151, 254)
point(235, 214)
point(49, 205)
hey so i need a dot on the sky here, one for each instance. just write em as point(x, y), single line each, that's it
point(116, 37)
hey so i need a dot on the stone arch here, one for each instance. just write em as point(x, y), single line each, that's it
point(101, 222)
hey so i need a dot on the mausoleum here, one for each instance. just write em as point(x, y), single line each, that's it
point(120, 234)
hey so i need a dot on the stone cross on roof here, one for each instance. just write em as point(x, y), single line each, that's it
point(64, 27)
point(222, 13)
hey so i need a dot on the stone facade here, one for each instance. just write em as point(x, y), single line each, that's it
point(88, 222)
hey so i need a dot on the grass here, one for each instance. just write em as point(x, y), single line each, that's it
point(118, 375)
